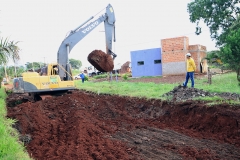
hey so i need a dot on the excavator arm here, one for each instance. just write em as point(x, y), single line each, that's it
point(79, 33)
point(56, 78)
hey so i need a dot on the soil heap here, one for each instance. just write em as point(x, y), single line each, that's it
point(180, 93)
point(101, 61)
point(125, 67)
point(85, 125)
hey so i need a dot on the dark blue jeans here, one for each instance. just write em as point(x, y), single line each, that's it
point(83, 80)
point(189, 75)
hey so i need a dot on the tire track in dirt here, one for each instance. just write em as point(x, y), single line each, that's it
point(85, 125)
point(157, 144)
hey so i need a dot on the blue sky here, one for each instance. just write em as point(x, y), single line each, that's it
point(41, 25)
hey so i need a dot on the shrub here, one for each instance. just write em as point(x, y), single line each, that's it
point(125, 76)
point(86, 78)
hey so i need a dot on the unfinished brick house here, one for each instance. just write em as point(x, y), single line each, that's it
point(173, 55)
point(169, 59)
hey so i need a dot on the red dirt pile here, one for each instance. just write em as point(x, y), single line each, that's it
point(84, 125)
point(125, 67)
point(101, 61)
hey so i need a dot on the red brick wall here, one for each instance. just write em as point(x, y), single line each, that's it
point(175, 56)
point(174, 49)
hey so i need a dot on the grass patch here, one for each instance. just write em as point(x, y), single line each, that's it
point(220, 83)
point(10, 147)
point(100, 76)
point(138, 89)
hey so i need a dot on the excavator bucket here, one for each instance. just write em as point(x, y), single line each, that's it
point(101, 61)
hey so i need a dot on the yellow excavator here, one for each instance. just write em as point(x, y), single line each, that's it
point(57, 77)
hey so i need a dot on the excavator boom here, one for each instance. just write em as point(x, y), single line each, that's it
point(80, 32)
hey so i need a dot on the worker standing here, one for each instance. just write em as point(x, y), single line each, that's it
point(82, 77)
point(191, 68)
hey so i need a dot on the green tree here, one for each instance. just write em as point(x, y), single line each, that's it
point(214, 59)
point(4, 51)
point(212, 56)
point(218, 15)
point(230, 52)
point(20, 70)
point(2, 71)
point(34, 65)
point(14, 49)
point(11, 72)
point(15, 71)
point(221, 16)
point(8, 49)
point(76, 64)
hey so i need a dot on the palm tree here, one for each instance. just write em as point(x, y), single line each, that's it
point(14, 50)
point(4, 51)
point(8, 49)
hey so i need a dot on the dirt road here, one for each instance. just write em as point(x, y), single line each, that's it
point(84, 125)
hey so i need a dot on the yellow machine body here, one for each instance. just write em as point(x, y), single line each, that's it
point(44, 81)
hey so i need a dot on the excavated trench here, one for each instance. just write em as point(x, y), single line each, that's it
point(85, 125)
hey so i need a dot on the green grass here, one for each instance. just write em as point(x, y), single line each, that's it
point(10, 147)
point(100, 76)
point(148, 90)
point(220, 83)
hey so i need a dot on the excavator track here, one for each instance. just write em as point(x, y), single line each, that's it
point(33, 97)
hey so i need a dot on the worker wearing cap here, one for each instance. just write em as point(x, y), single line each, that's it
point(191, 68)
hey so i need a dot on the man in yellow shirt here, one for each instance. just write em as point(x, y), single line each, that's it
point(191, 68)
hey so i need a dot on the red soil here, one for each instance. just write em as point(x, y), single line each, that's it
point(84, 125)
point(101, 61)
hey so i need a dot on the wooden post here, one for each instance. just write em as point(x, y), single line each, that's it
point(209, 76)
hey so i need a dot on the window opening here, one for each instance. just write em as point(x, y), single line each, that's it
point(158, 61)
point(140, 63)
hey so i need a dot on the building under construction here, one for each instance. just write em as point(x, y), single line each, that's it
point(169, 59)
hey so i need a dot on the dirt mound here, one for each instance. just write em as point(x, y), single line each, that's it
point(15, 99)
point(101, 61)
point(84, 125)
point(180, 93)
point(125, 67)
